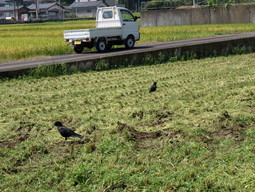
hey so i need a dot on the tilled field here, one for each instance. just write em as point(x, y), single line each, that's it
point(194, 133)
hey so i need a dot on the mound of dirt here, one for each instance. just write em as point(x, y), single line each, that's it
point(233, 132)
point(138, 135)
point(228, 127)
point(14, 141)
point(141, 135)
point(147, 140)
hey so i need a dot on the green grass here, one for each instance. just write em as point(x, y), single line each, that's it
point(205, 109)
point(22, 41)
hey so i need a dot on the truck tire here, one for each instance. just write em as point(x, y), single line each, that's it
point(130, 42)
point(78, 49)
point(101, 45)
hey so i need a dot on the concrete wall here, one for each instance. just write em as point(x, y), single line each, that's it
point(197, 16)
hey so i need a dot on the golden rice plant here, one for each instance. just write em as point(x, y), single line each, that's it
point(21, 41)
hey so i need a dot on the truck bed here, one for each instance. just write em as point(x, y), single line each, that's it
point(92, 33)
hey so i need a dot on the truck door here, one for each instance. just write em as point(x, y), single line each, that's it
point(129, 24)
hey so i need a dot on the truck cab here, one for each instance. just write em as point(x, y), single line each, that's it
point(114, 26)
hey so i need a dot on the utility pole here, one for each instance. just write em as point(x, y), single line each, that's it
point(14, 9)
point(138, 6)
point(37, 9)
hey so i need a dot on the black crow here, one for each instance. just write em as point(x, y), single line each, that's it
point(153, 87)
point(65, 132)
point(226, 115)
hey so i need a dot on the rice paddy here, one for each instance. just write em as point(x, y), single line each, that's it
point(195, 133)
point(22, 41)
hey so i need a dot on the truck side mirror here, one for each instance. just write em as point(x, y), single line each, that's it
point(135, 18)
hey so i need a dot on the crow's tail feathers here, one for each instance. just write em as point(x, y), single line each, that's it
point(76, 135)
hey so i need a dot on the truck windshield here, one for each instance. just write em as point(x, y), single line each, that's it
point(126, 15)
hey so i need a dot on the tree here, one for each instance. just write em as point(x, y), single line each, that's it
point(134, 5)
point(15, 2)
point(66, 2)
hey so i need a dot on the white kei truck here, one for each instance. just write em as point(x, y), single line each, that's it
point(114, 26)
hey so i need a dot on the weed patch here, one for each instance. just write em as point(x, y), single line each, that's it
point(48, 71)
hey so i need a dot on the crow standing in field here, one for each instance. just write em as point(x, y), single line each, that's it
point(65, 132)
point(153, 87)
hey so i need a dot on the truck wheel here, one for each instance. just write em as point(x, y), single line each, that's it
point(78, 49)
point(101, 45)
point(130, 42)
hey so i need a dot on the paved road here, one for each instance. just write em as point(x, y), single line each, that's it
point(19, 65)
